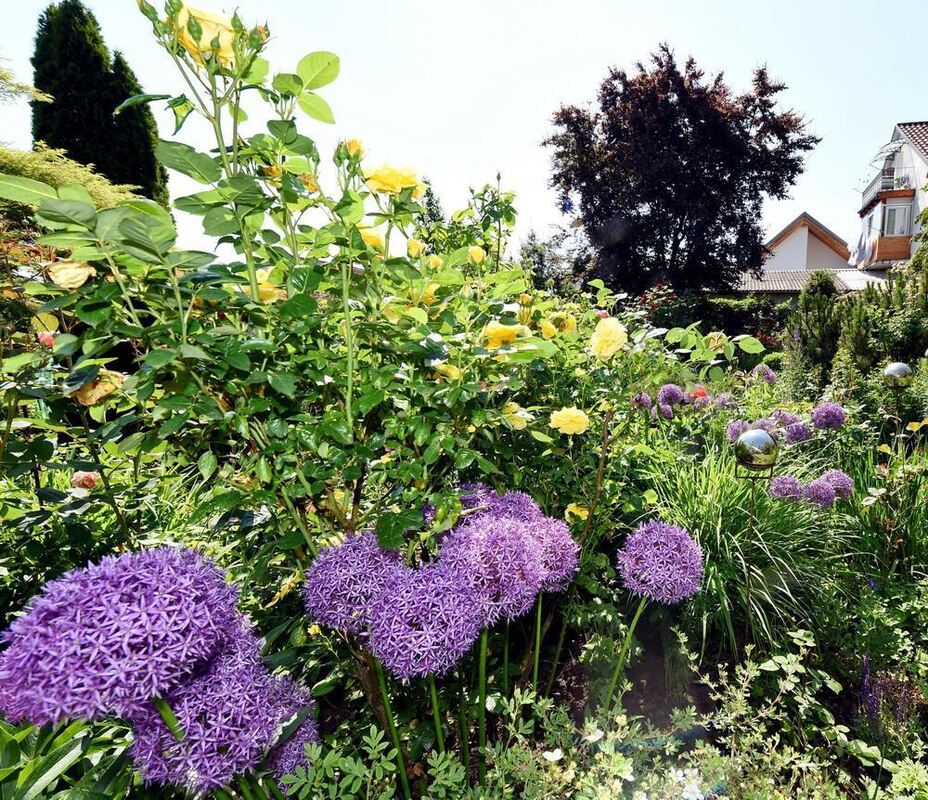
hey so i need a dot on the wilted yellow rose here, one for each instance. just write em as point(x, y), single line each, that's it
point(716, 341)
point(415, 248)
point(576, 511)
point(372, 238)
point(498, 334)
point(609, 337)
point(547, 328)
point(449, 371)
point(355, 148)
point(428, 296)
point(390, 180)
point(569, 420)
point(314, 630)
point(70, 275)
point(477, 255)
point(435, 262)
point(101, 387)
point(213, 26)
point(516, 417)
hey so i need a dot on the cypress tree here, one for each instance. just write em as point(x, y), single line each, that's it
point(73, 65)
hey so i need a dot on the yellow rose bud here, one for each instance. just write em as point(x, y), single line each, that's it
point(569, 420)
point(354, 148)
point(415, 248)
point(525, 299)
point(309, 181)
point(516, 417)
point(609, 337)
point(314, 630)
point(70, 275)
point(372, 238)
point(212, 26)
point(716, 341)
point(547, 328)
point(497, 334)
point(273, 171)
point(477, 255)
point(448, 371)
point(435, 262)
point(390, 180)
point(101, 387)
point(576, 511)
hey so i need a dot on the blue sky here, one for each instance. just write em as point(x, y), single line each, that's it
point(461, 90)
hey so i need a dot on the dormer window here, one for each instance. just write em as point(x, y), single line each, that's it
point(896, 220)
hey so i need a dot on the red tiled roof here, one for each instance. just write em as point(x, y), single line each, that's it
point(917, 134)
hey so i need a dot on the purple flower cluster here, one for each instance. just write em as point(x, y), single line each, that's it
point(763, 372)
point(104, 639)
point(641, 400)
point(735, 428)
point(785, 418)
point(670, 395)
point(779, 424)
point(823, 491)
point(797, 433)
point(285, 758)
point(343, 581)
point(661, 562)
point(829, 416)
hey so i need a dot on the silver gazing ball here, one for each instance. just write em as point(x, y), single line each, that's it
point(898, 375)
point(756, 449)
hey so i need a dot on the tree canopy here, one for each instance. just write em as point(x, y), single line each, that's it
point(669, 173)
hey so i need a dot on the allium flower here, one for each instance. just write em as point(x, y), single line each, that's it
point(285, 758)
point(512, 504)
point(763, 373)
point(840, 481)
point(735, 428)
point(785, 487)
point(828, 415)
point(661, 562)
point(104, 639)
point(670, 395)
point(344, 580)
point(665, 410)
point(559, 553)
point(768, 425)
point(820, 493)
point(795, 434)
point(725, 401)
point(641, 400)
point(230, 712)
point(424, 622)
point(501, 561)
point(785, 418)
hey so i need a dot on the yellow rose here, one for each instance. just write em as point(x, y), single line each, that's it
point(70, 275)
point(314, 630)
point(548, 329)
point(716, 341)
point(435, 262)
point(354, 148)
point(390, 180)
point(516, 417)
point(576, 511)
point(569, 420)
point(273, 171)
point(419, 190)
point(267, 292)
point(498, 334)
point(448, 371)
point(525, 299)
point(568, 325)
point(608, 338)
point(101, 387)
point(213, 26)
point(428, 296)
point(477, 255)
point(372, 238)
point(309, 181)
point(415, 248)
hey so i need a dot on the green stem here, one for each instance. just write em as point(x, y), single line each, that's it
point(436, 715)
point(506, 661)
point(482, 709)
point(391, 726)
point(557, 655)
point(464, 726)
point(349, 343)
point(167, 714)
point(626, 645)
point(537, 642)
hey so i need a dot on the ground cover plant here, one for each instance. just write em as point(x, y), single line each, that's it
point(348, 508)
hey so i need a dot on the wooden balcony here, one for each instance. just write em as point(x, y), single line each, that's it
point(893, 248)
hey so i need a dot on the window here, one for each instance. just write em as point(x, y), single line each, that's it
point(896, 221)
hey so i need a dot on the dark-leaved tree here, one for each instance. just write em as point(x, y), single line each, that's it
point(72, 64)
point(668, 176)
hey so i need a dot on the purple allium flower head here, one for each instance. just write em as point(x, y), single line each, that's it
point(424, 622)
point(661, 562)
point(230, 711)
point(763, 373)
point(641, 400)
point(703, 401)
point(795, 434)
point(840, 481)
point(735, 428)
point(559, 552)
point(285, 758)
point(670, 395)
point(820, 493)
point(501, 561)
point(724, 401)
point(785, 487)
point(828, 415)
point(343, 581)
point(785, 418)
point(513, 504)
point(768, 425)
point(104, 639)
point(665, 410)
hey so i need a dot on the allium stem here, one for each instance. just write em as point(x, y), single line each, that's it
point(537, 642)
point(464, 725)
point(623, 653)
point(557, 654)
point(391, 725)
point(506, 661)
point(167, 714)
point(436, 715)
point(482, 709)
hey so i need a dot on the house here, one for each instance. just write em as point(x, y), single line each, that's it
point(891, 202)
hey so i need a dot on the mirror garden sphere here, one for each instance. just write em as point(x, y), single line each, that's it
point(898, 375)
point(756, 449)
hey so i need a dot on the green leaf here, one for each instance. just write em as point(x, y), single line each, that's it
point(138, 100)
point(74, 191)
point(750, 345)
point(317, 108)
point(257, 72)
point(318, 69)
point(207, 464)
point(25, 190)
point(68, 212)
point(283, 382)
point(392, 525)
point(287, 84)
point(182, 106)
point(49, 769)
point(183, 158)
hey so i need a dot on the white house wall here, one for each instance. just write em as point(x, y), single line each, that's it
point(819, 255)
point(791, 252)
